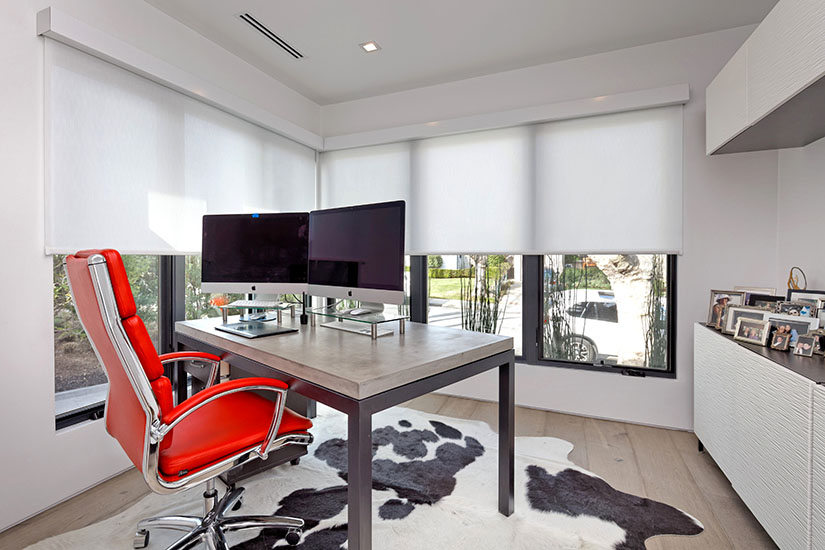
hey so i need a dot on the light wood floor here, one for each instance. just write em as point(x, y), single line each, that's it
point(660, 464)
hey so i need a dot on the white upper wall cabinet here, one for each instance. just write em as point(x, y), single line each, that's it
point(771, 94)
point(727, 101)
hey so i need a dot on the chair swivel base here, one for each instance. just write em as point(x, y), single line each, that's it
point(210, 529)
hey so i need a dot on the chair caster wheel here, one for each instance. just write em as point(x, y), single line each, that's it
point(293, 537)
point(141, 539)
point(237, 505)
point(295, 461)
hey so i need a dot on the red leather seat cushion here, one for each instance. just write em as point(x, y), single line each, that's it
point(223, 427)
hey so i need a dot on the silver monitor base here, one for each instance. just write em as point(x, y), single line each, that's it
point(359, 328)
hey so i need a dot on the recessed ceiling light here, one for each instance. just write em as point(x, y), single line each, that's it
point(370, 46)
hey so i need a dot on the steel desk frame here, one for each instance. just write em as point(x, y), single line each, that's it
point(359, 413)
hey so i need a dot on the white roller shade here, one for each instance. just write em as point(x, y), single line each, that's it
point(610, 183)
point(134, 165)
point(364, 175)
point(603, 184)
point(470, 193)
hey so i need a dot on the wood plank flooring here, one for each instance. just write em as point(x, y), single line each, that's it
point(652, 462)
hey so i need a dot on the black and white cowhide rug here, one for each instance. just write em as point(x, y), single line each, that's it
point(434, 484)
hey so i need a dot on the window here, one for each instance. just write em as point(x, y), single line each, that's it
point(199, 304)
point(79, 380)
point(476, 292)
point(606, 310)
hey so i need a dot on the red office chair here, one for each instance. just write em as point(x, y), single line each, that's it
point(177, 447)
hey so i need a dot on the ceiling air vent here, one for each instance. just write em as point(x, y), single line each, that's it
point(261, 28)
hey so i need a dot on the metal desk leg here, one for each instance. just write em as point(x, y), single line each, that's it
point(359, 480)
point(506, 437)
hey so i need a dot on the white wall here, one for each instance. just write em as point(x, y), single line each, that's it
point(801, 189)
point(39, 467)
point(724, 196)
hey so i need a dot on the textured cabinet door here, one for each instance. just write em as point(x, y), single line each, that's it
point(786, 53)
point(715, 385)
point(818, 471)
point(757, 428)
point(727, 102)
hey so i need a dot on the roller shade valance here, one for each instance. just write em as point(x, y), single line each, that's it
point(134, 165)
point(601, 184)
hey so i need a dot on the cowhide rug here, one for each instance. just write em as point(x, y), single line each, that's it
point(434, 484)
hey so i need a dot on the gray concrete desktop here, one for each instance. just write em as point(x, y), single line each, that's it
point(360, 376)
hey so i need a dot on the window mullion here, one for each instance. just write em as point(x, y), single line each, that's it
point(531, 309)
point(418, 289)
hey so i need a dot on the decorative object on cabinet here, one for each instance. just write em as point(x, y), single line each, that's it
point(719, 300)
point(795, 326)
point(797, 309)
point(756, 290)
point(813, 297)
point(763, 300)
point(734, 313)
point(780, 341)
point(804, 346)
point(793, 280)
point(819, 341)
point(753, 331)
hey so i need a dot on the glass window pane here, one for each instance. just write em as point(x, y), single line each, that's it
point(79, 379)
point(475, 292)
point(609, 309)
point(199, 304)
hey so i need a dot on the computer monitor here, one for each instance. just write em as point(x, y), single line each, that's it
point(357, 252)
point(255, 253)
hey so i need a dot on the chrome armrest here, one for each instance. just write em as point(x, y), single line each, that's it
point(213, 373)
point(160, 430)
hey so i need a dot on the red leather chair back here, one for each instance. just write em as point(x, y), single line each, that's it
point(126, 409)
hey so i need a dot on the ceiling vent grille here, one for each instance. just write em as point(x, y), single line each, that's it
point(261, 28)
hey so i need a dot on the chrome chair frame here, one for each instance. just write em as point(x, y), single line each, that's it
point(211, 527)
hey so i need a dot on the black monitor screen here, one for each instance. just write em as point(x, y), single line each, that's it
point(255, 248)
point(358, 246)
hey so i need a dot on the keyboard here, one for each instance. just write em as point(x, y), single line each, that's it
point(261, 304)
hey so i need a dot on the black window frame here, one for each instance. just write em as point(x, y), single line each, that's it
point(171, 308)
point(532, 318)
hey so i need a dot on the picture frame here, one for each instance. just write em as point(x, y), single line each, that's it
point(808, 296)
point(804, 346)
point(819, 341)
point(780, 341)
point(797, 309)
point(719, 300)
point(763, 300)
point(734, 313)
point(794, 325)
point(756, 290)
point(753, 331)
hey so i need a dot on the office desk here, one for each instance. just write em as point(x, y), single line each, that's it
point(360, 377)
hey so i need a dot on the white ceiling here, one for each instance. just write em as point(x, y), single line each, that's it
point(429, 42)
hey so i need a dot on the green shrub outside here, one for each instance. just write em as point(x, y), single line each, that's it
point(494, 272)
point(435, 262)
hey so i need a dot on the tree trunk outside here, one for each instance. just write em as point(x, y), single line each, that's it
point(629, 277)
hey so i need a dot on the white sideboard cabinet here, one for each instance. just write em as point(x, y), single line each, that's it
point(760, 414)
